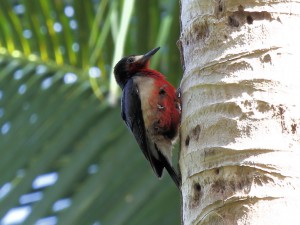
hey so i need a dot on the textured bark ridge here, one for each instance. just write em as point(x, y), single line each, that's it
point(240, 148)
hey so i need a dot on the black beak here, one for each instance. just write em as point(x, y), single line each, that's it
point(149, 54)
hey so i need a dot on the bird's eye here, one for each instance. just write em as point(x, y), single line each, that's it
point(130, 60)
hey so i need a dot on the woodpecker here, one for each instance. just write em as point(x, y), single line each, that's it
point(151, 109)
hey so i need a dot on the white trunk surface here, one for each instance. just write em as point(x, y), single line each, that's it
point(240, 132)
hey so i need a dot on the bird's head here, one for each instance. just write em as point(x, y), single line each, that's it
point(128, 66)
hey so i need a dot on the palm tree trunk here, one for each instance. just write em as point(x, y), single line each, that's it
point(239, 159)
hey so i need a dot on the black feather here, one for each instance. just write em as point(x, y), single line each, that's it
point(133, 117)
point(173, 174)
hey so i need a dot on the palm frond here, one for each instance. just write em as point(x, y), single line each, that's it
point(56, 59)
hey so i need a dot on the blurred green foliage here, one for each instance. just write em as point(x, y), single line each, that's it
point(66, 156)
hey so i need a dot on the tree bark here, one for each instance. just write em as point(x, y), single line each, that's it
point(240, 148)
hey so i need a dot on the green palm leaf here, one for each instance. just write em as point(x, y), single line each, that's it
point(56, 59)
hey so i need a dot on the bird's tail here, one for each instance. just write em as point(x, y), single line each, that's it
point(174, 175)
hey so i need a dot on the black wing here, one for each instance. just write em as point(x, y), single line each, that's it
point(133, 117)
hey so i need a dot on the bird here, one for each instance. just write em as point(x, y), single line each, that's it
point(151, 109)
